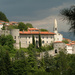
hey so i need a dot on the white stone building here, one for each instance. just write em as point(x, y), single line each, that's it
point(70, 48)
point(1, 25)
point(26, 37)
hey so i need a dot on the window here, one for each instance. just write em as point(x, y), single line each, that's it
point(14, 37)
point(26, 37)
point(29, 37)
point(29, 42)
point(47, 37)
point(26, 42)
point(36, 37)
point(55, 28)
point(43, 37)
point(47, 41)
point(43, 42)
point(51, 37)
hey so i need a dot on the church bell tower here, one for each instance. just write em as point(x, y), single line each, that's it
point(55, 27)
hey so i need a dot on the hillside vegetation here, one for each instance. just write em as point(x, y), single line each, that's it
point(3, 17)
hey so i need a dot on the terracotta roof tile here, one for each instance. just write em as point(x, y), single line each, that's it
point(1, 23)
point(68, 44)
point(29, 32)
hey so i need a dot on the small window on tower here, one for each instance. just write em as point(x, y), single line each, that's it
point(55, 28)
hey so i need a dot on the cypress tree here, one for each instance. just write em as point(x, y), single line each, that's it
point(40, 43)
point(33, 39)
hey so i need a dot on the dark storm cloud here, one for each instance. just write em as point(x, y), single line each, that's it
point(28, 9)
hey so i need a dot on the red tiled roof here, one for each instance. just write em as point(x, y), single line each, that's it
point(13, 22)
point(32, 28)
point(29, 32)
point(72, 43)
point(68, 44)
point(58, 42)
point(6, 22)
point(1, 23)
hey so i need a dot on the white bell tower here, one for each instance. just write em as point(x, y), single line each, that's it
point(55, 27)
point(57, 36)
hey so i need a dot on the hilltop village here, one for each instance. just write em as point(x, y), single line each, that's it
point(24, 38)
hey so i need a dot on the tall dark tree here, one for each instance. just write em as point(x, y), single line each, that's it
point(40, 43)
point(3, 17)
point(69, 15)
point(33, 39)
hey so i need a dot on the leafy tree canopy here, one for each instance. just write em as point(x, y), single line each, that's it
point(22, 26)
point(3, 17)
point(29, 25)
point(43, 30)
point(65, 41)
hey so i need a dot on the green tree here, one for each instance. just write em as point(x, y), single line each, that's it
point(29, 25)
point(40, 43)
point(3, 28)
point(7, 40)
point(3, 17)
point(46, 59)
point(33, 40)
point(32, 61)
point(12, 27)
point(7, 62)
point(22, 26)
point(65, 41)
point(43, 30)
point(69, 15)
point(61, 63)
point(3, 70)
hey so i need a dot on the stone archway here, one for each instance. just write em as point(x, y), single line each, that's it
point(56, 51)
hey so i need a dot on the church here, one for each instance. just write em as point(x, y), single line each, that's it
point(24, 38)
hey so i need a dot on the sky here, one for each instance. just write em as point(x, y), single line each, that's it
point(40, 13)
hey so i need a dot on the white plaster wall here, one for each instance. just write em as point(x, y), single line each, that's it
point(59, 45)
point(73, 49)
point(25, 39)
point(15, 34)
point(1, 27)
point(69, 49)
point(58, 37)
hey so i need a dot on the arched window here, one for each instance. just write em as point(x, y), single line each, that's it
point(55, 50)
